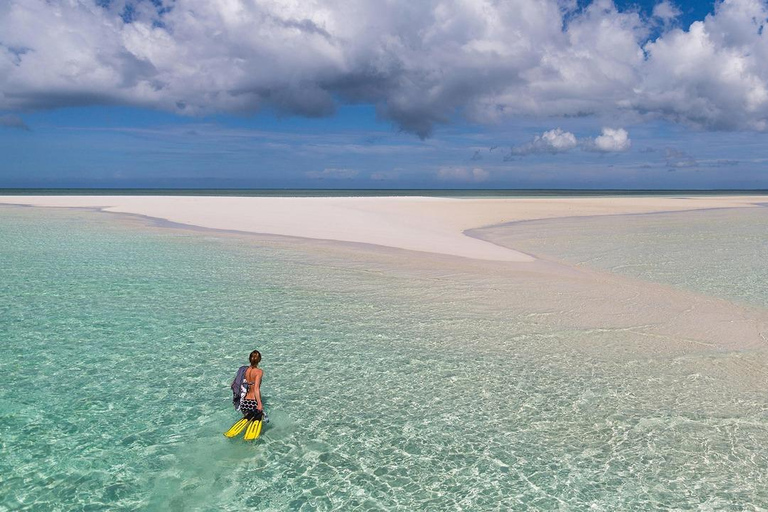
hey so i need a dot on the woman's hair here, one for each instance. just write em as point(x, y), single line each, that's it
point(254, 358)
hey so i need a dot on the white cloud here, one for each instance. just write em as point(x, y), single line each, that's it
point(332, 174)
point(611, 141)
point(558, 141)
point(666, 11)
point(420, 63)
point(475, 174)
point(553, 141)
point(714, 75)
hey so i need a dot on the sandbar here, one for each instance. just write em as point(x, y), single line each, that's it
point(425, 224)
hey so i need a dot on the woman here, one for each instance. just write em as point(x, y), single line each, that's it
point(250, 389)
point(246, 397)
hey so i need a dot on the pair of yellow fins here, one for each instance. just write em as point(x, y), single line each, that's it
point(252, 429)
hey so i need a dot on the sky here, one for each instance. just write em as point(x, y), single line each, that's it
point(384, 94)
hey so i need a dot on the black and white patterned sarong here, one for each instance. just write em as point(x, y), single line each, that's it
point(250, 407)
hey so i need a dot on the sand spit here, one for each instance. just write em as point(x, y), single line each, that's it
point(607, 317)
point(425, 224)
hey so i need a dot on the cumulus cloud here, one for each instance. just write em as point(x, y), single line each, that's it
point(666, 11)
point(713, 75)
point(611, 141)
point(464, 174)
point(420, 63)
point(553, 141)
point(13, 121)
point(558, 141)
point(332, 173)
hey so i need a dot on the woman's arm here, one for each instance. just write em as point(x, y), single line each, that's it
point(257, 385)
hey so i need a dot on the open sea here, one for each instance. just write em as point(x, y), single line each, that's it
point(365, 192)
point(388, 388)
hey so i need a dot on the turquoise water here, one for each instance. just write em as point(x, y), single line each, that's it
point(388, 389)
point(722, 253)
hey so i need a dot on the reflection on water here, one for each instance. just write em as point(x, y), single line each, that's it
point(389, 387)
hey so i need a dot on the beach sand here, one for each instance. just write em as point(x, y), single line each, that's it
point(650, 318)
point(425, 224)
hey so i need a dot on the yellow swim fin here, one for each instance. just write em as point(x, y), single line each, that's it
point(253, 431)
point(236, 428)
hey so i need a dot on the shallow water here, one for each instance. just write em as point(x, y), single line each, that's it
point(722, 253)
point(387, 389)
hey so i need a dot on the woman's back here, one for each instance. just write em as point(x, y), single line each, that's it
point(253, 378)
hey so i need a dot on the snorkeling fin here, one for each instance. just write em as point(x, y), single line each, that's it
point(237, 427)
point(253, 431)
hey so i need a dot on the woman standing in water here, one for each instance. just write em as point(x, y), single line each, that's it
point(250, 402)
point(246, 397)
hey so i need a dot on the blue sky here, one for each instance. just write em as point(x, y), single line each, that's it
point(604, 122)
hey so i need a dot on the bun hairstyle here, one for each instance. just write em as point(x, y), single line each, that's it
point(255, 358)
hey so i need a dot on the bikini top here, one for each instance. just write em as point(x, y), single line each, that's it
point(246, 381)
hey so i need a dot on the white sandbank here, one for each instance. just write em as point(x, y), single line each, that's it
point(426, 224)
